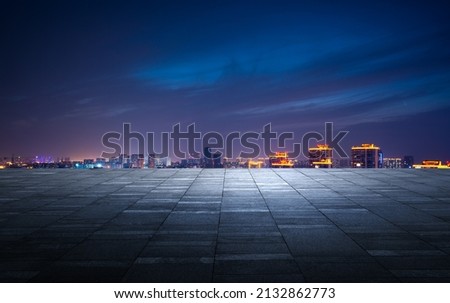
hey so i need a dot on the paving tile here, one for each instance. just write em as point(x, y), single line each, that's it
point(248, 247)
point(169, 251)
point(264, 266)
point(345, 272)
point(270, 278)
point(388, 241)
point(320, 241)
point(83, 272)
point(217, 225)
point(106, 250)
point(415, 262)
point(425, 275)
point(169, 272)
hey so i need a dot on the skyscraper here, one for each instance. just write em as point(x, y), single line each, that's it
point(367, 156)
point(320, 156)
point(280, 160)
point(212, 160)
point(392, 163)
point(151, 161)
point(137, 161)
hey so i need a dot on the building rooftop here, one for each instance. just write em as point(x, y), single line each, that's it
point(365, 146)
point(217, 225)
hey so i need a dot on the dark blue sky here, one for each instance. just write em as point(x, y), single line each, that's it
point(70, 72)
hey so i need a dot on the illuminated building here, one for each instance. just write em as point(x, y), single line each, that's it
point(115, 162)
point(124, 160)
point(392, 163)
point(320, 156)
point(256, 163)
point(280, 160)
point(193, 162)
point(212, 160)
point(88, 163)
point(151, 161)
point(190, 163)
point(367, 156)
point(229, 163)
point(162, 162)
point(436, 164)
point(137, 161)
point(241, 162)
point(58, 160)
point(226, 162)
point(408, 161)
point(100, 162)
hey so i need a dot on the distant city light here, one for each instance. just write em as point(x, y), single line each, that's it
point(321, 156)
point(436, 164)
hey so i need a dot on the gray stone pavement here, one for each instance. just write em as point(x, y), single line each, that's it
point(216, 225)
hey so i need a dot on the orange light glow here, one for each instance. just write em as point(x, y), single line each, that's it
point(321, 156)
point(280, 159)
point(365, 146)
point(323, 162)
point(255, 164)
point(436, 164)
point(320, 147)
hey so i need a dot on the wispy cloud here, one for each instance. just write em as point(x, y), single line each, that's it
point(96, 112)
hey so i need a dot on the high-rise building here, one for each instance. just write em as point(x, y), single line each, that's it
point(151, 161)
point(280, 160)
point(392, 163)
point(367, 156)
point(184, 163)
point(114, 162)
point(124, 160)
point(212, 160)
point(320, 156)
point(137, 161)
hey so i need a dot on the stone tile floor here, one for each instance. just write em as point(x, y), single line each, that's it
point(216, 225)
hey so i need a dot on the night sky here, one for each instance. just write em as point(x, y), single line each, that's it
point(70, 72)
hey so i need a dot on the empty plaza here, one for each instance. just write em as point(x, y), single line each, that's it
point(224, 225)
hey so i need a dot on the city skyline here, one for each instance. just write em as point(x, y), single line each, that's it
point(52, 157)
point(71, 72)
point(320, 156)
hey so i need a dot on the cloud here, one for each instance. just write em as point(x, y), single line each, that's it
point(387, 79)
point(97, 112)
